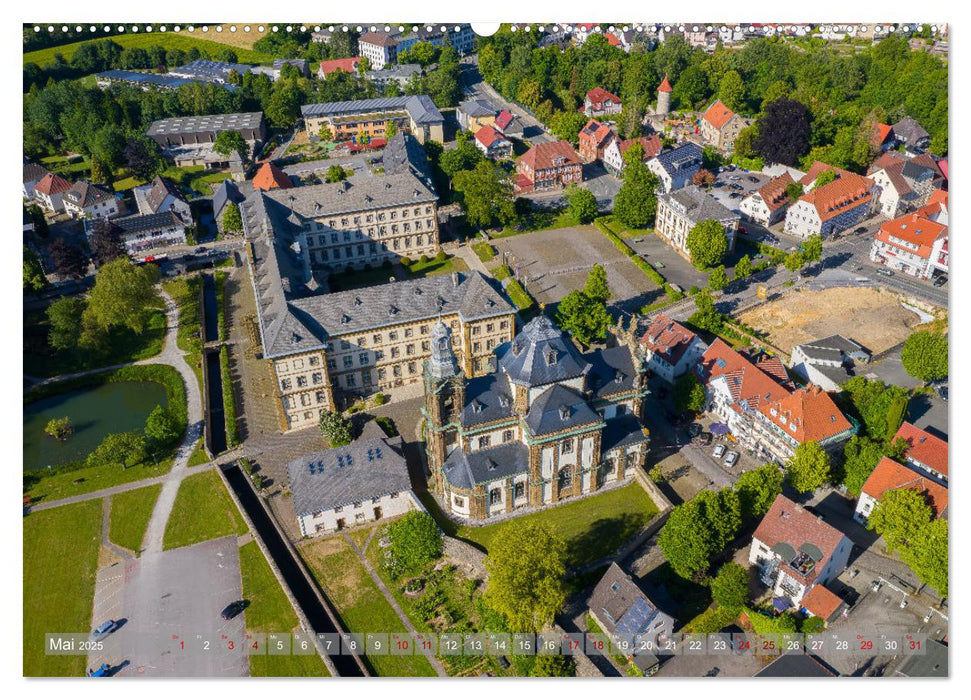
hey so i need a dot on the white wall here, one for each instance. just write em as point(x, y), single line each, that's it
point(326, 521)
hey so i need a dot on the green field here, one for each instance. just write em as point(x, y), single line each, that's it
point(129, 515)
point(169, 40)
point(60, 566)
point(203, 511)
point(360, 605)
point(270, 611)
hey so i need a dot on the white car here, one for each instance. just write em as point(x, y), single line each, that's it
point(731, 458)
point(718, 451)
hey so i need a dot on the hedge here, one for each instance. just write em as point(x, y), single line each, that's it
point(485, 251)
point(229, 403)
point(638, 261)
point(712, 620)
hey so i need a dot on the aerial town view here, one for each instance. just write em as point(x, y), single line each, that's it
point(567, 349)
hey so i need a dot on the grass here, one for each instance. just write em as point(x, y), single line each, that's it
point(169, 40)
point(199, 455)
point(195, 178)
point(220, 280)
point(415, 269)
point(203, 511)
point(539, 220)
point(434, 266)
point(129, 516)
point(186, 293)
point(88, 479)
point(593, 527)
point(270, 611)
point(360, 605)
point(41, 360)
point(485, 251)
point(60, 566)
point(229, 399)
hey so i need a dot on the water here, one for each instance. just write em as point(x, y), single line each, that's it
point(217, 414)
point(110, 408)
point(211, 309)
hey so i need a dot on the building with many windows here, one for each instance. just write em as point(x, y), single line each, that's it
point(548, 166)
point(832, 207)
point(681, 210)
point(546, 424)
point(369, 119)
point(380, 48)
point(916, 243)
point(806, 415)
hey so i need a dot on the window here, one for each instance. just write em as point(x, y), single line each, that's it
point(285, 383)
point(363, 358)
point(317, 377)
point(495, 497)
point(458, 501)
point(410, 350)
point(301, 381)
point(338, 509)
point(426, 346)
point(518, 490)
point(566, 479)
point(507, 436)
point(314, 361)
point(366, 376)
point(348, 361)
point(490, 327)
point(395, 352)
point(409, 332)
point(362, 342)
point(484, 441)
point(566, 447)
point(475, 330)
point(331, 364)
point(345, 345)
point(393, 335)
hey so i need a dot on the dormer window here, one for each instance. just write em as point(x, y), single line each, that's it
point(345, 319)
point(619, 377)
point(564, 412)
point(551, 357)
point(503, 400)
point(357, 301)
point(393, 310)
point(418, 291)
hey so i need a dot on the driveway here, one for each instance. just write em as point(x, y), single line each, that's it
point(169, 604)
point(676, 270)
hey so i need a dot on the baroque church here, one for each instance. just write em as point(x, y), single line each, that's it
point(546, 425)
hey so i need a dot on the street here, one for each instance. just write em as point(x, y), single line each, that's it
point(475, 87)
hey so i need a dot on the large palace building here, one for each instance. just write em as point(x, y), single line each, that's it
point(549, 424)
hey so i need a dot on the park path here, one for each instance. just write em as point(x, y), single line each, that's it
point(471, 259)
point(436, 664)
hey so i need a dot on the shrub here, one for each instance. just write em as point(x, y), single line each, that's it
point(423, 259)
point(441, 256)
point(229, 402)
point(405, 260)
point(380, 399)
point(387, 425)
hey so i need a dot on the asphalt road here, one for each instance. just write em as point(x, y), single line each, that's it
point(475, 87)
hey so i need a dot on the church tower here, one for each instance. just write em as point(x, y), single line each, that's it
point(663, 98)
point(444, 401)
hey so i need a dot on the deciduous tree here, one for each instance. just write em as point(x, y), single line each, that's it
point(707, 244)
point(899, 516)
point(584, 318)
point(809, 467)
point(925, 356)
point(486, 195)
point(232, 219)
point(126, 449)
point(34, 279)
point(717, 278)
point(743, 268)
point(123, 296)
point(229, 141)
point(636, 203)
point(688, 393)
point(596, 286)
point(161, 428)
point(335, 428)
point(415, 541)
point(582, 204)
point(757, 490)
point(60, 428)
point(783, 132)
point(729, 587)
point(860, 457)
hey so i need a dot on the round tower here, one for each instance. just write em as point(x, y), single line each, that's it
point(664, 98)
point(444, 401)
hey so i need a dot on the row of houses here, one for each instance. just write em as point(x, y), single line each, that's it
point(382, 48)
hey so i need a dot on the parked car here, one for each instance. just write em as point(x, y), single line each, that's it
point(885, 272)
point(103, 630)
point(940, 281)
point(200, 249)
point(731, 458)
point(860, 229)
point(233, 609)
point(694, 430)
point(718, 451)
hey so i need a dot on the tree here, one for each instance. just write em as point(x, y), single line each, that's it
point(596, 287)
point(707, 244)
point(636, 203)
point(486, 194)
point(729, 587)
point(526, 569)
point(335, 173)
point(824, 178)
point(717, 278)
point(283, 108)
point(582, 204)
point(809, 467)
point(566, 126)
point(64, 316)
point(161, 428)
point(553, 666)
point(860, 457)
point(232, 219)
point(125, 449)
point(105, 243)
point(68, 259)
point(688, 393)
point(34, 279)
point(143, 158)
point(879, 406)
point(783, 132)
point(757, 490)
point(228, 141)
point(703, 178)
point(335, 428)
point(794, 191)
point(123, 295)
point(812, 248)
point(584, 318)
point(465, 156)
point(743, 268)
point(925, 356)
point(391, 128)
point(60, 428)
point(794, 261)
point(926, 555)
point(698, 529)
point(415, 540)
point(721, 513)
point(899, 516)
point(731, 90)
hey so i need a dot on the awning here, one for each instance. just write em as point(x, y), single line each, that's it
point(719, 429)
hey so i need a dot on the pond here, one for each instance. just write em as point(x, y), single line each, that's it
point(110, 408)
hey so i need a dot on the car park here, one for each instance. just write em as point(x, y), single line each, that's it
point(731, 458)
point(718, 451)
point(103, 630)
point(233, 609)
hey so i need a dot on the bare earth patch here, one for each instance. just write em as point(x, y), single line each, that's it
point(871, 317)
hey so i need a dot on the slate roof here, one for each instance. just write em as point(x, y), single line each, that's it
point(487, 399)
point(622, 431)
point(611, 372)
point(404, 154)
point(620, 605)
point(84, 194)
point(341, 476)
point(834, 343)
point(147, 222)
point(478, 108)
point(910, 131)
point(687, 156)
point(34, 172)
point(228, 191)
point(796, 666)
point(557, 409)
point(161, 188)
point(466, 469)
point(698, 205)
point(540, 354)
point(361, 193)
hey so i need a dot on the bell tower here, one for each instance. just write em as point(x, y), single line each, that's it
point(444, 401)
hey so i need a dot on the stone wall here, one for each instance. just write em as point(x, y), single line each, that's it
point(466, 557)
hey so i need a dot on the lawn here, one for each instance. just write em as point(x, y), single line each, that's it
point(203, 511)
point(41, 360)
point(60, 566)
point(433, 266)
point(199, 455)
point(186, 293)
point(415, 269)
point(129, 516)
point(484, 251)
point(358, 602)
point(539, 220)
point(68, 166)
point(270, 611)
point(593, 527)
point(195, 178)
point(169, 40)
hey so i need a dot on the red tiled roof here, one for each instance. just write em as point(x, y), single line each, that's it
point(488, 135)
point(821, 602)
point(894, 475)
point(746, 382)
point(938, 197)
point(598, 95)
point(52, 183)
point(924, 448)
point(943, 165)
point(504, 119)
point(845, 193)
point(271, 177)
point(541, 156)
point(817, 169)
point(598, 132)
point(665, 86)
point(718, 115)
point(348, 65)
point(880, 134)
point(912, 228)
point(651, 145)
point(612, 39)
point(773, 366)
point(668, 338)
point(790, 523)
point(773, 193)
point(377, 38)
point(807, 415)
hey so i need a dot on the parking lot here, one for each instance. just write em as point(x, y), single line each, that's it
point(162, 602)
point(732, 186)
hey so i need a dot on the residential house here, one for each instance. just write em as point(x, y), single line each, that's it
point(544, 425)
point(910, 133)
point(827, 362)
point(925, 451)
point(87, 201)
point(832, 207)
point(613, 154)
point(795, 550)
point(472, 115)
point(33, 173)
point(720, 126)
point(676, 167)
point(399, 73)
point(492, 143)
point(681, 210)
point(144, 232)
point(379, 48)
point(548, 166)
point(623, 611)
point(916, 243)
point(49, 192)
point(228, 192)
point(905, 182)
point(270, 177)
point(882, 137)
point(509, 124)
point(670, 349)
point(594, 138)
point(369, 119)
point(768, 204)
point(358, 484)
point(806, 415)
point(347, 65)
point(600, 103)
point(162, 195)
point(890, 476)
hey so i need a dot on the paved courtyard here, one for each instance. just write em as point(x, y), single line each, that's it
point(165, 600)
point(556, 262)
